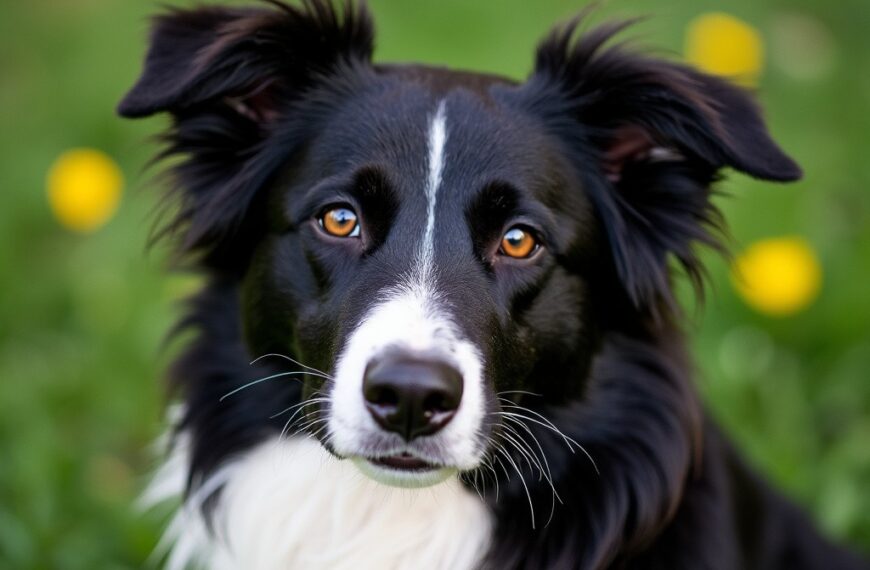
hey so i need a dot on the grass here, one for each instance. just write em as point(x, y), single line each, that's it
point(82, 317)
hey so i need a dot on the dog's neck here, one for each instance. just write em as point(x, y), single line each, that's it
point(289, 504)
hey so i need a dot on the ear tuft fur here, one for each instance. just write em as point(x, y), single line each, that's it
point(684, 108)
point(213, 52)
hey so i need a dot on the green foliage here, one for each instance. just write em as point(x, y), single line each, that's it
point(82, 317)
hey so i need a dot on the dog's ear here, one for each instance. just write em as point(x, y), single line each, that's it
point(230, 77)
point(244, 58)
point(649, 137)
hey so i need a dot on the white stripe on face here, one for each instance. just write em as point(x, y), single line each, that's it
point(412, 316)
point(437, 141)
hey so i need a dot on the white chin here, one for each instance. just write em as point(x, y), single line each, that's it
point(403, 478)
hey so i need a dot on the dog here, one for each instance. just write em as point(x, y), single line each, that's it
point(437, 328)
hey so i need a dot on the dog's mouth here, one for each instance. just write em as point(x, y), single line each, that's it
point(403, 469)
point(404, 462)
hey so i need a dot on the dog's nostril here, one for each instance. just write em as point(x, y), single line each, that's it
point(382, 396)
point(436, 402)
point(410, 395)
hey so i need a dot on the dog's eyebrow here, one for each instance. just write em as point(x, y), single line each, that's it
point(499, 202)
point(303, 205)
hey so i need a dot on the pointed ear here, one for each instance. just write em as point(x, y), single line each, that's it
point(248, 59)
point(231, 78)
point(656, 133)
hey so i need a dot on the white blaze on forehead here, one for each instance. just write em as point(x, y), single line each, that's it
point(437, 140)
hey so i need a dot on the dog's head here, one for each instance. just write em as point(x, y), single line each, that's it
point(430, 244)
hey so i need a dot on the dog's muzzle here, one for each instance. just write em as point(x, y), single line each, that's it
point(407, 401)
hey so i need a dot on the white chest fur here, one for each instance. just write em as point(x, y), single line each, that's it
point(289, 504)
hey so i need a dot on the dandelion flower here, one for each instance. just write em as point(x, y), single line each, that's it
point(84, 189)
point(778, 276)
point(723, 45)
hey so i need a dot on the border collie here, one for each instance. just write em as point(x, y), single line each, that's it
point(438, 328)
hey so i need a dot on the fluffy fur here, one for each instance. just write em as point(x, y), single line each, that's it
point(579, 441)
point(339, 519)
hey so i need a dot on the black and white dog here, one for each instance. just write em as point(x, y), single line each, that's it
point(455, 292)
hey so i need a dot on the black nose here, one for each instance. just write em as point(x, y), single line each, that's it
point(412, 396)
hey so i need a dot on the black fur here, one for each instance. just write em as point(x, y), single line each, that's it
point(607, 154)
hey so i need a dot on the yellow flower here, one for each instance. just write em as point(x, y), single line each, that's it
point(724, 45)
point(84, 189)
point(778, 276)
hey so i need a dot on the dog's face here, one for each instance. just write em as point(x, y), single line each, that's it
point(431, 245)
point(420, 260)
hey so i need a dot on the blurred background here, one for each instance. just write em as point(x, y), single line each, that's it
point(783, 343)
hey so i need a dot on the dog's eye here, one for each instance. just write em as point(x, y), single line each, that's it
point(518, 242)
point(340, 222)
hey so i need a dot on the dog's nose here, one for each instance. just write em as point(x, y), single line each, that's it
point(412, 396)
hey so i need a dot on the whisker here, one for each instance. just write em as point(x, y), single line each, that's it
point(470, 477)
point(568, 440)
point(299, 429)
point(503, 468)
point(512, 405)
point(546, 475)
point(313, 435)
point(294, 361)
point(488, 464)
point(530, 461)
point(522, 480)
point(305, 423)
point(540, 448)
point(519, 392)
point(255, 382)
point(478, 474)
point(549, 425)
point(303, 417)
point(542, 472)
point(298, 404)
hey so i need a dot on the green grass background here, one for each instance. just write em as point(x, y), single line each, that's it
point(82, 318)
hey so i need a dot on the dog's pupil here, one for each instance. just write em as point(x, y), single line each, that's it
point(342, 217)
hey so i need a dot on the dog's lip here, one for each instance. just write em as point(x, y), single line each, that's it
point(403, 461)
point(403, 469)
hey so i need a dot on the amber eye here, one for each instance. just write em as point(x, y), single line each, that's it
point(518, 242)
point(340, 222)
